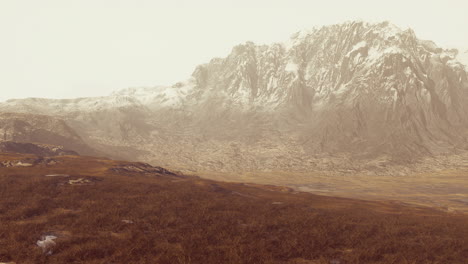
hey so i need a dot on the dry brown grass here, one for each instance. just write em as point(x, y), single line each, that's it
point(190, 220)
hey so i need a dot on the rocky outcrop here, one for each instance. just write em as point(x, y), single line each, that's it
point(35, 149)
point(138, 167)
point(28, 162)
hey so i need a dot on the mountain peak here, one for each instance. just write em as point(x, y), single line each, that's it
point(384, 29)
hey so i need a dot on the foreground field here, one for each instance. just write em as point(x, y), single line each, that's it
point(104, 211)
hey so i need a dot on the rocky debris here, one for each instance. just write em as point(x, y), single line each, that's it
point(28, 162)
point(126, 221)
point(7, 163)
point(80, 181)
point(46, 161)
point(47, 243)
point(139, 167)
point(20, 163)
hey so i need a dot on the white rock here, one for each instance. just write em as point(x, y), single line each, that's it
point(46, 244)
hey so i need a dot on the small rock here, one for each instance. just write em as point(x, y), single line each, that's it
point(51, 162)
point(277, 203)
point(57, 175)
point(23, 164)
point(79, 181)
point(46, 244)
point(127, 221)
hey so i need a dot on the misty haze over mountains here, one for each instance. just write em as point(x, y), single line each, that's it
point(237, 132)
point(355, 96)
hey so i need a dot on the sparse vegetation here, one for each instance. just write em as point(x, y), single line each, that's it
point(173, 219)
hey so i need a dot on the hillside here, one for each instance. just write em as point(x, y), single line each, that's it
point(41, 129)
point(104, 211)
point(31, 127)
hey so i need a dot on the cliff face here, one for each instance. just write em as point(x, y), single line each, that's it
point(356, 89)
point(351, 86)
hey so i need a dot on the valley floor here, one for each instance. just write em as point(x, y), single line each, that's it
point(445, 190)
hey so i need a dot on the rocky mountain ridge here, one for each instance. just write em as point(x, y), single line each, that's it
point(346, 94)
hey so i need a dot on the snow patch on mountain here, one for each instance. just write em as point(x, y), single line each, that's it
point(153, 97)
point(158, 96)
point(291, 67)
point(463, 58)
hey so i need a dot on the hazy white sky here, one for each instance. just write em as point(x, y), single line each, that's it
point(71, 48)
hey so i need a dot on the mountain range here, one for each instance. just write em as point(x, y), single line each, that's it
point(354, 96)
